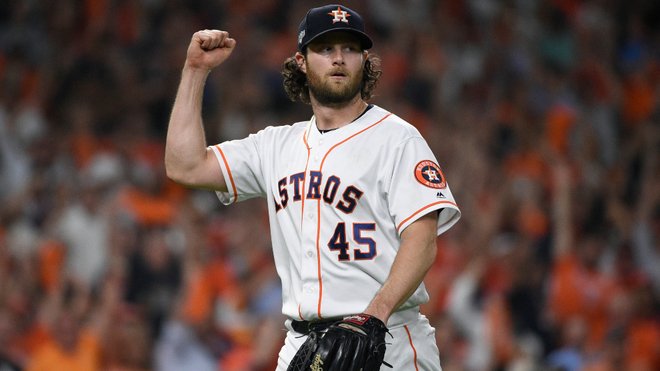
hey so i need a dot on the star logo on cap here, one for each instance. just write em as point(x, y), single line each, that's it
point(339, 15)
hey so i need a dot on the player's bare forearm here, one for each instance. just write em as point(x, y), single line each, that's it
point(187, 159)
point(413, 260)
point(186, 155)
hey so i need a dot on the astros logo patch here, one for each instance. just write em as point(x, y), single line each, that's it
point(429, 174)
point(339, 15)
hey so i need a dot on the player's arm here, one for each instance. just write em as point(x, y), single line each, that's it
point(415, 256)
point(187, 159)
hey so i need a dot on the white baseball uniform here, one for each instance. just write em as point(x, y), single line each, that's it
point(337, 204)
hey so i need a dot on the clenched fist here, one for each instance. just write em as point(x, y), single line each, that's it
point(208, 49)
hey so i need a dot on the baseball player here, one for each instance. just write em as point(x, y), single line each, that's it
point(355, 197)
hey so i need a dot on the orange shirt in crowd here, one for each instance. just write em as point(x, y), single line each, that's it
point(84, 145)
point(559, 122)
point(638, 99)
point(146, 208)
point(642, 347)
point(51, 260)
point(86, 357)
point(208, 283)
point(526, 163)
point(449, 263)
point(578, 292)
point(237, 359)
point(532, 220)
point(499, 329)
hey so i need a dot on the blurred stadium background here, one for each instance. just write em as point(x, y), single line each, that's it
point(543, 114)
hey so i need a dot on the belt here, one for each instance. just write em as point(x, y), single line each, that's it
point(397, 319)
point(305, 327)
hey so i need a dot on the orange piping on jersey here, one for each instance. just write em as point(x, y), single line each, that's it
point(231, 177)
point(318, 209)
point(412, 346)
point(302, 205)
point(318, 255)
point(351, 137)
point(422, 209)
point(300, 313)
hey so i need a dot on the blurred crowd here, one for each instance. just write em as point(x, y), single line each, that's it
point(543, 114)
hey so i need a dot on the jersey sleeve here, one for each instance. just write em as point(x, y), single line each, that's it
point(418, 187)
point(240, 163)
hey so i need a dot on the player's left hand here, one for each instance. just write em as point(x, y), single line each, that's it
point(355, 343)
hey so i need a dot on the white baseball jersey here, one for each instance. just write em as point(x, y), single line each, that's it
point(337, 205)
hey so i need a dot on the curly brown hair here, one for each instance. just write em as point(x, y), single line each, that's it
point(295, 80)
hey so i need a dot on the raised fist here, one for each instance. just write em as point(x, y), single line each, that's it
point(209, 48)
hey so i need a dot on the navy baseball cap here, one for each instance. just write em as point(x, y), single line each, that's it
point(333, 17)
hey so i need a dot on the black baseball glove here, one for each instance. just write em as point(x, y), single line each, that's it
point(356, 343)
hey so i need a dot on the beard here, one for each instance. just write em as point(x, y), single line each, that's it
point(331, 94)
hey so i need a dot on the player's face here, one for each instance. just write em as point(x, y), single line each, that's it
point(334, 67)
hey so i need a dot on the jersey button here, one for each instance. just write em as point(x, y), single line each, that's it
point(310, 253)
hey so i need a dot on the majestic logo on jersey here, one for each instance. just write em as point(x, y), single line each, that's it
point(429, 174)
point(339, 15)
